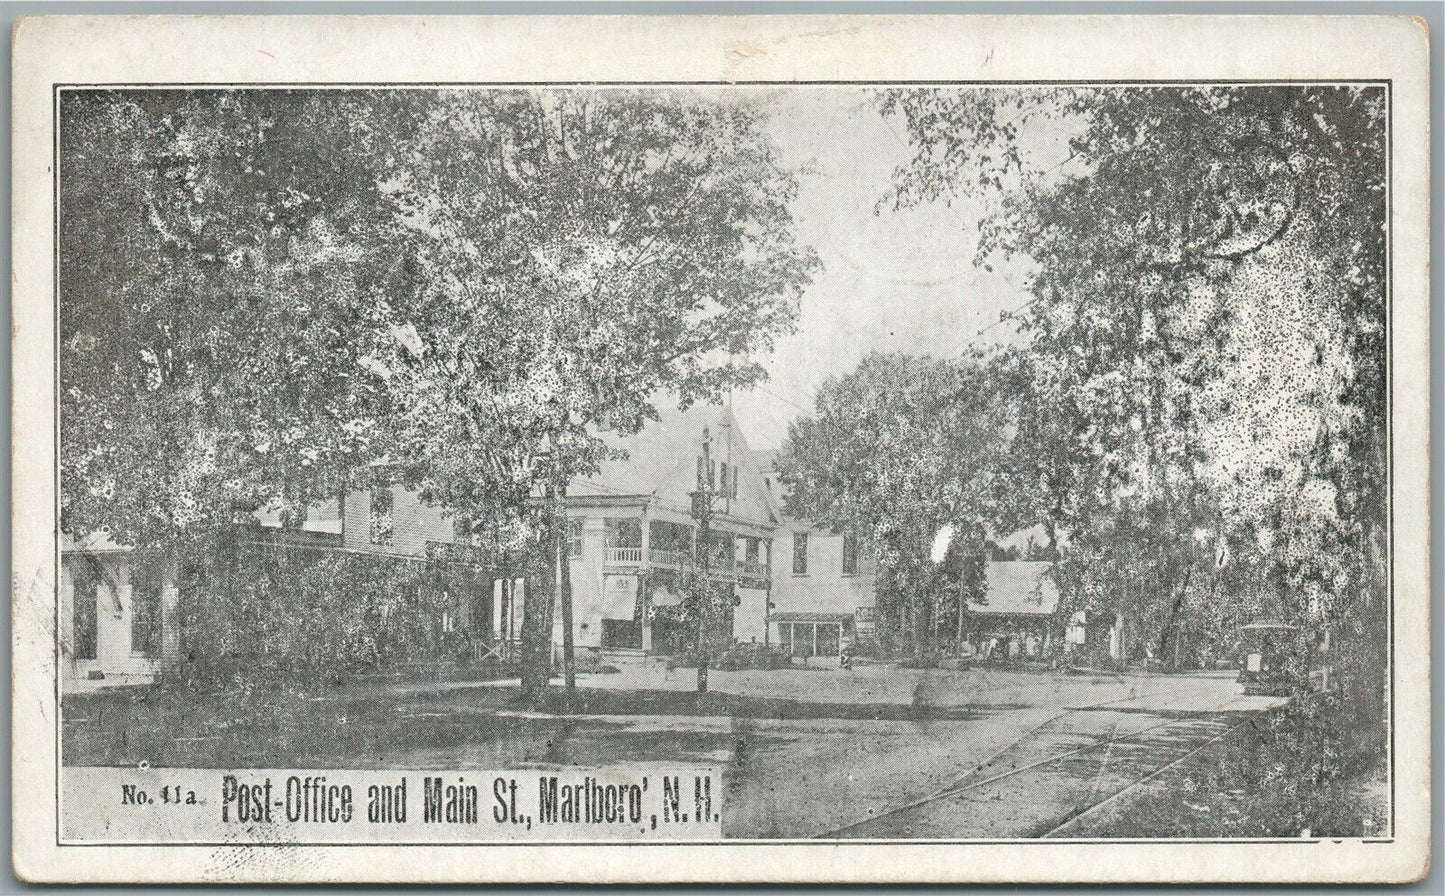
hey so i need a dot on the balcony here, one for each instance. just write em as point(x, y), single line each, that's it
point(624, 557)
point(720, 567)
point(670, 559)
point(755, 568)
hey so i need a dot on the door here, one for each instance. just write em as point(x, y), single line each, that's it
point(828, 638)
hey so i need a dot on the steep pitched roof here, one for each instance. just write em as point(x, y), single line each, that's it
point(661, 463)
point(765, 458)
point(1019, 587)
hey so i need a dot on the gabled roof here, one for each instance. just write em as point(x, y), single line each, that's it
point(661, 464)
point(1019, 587)
point(766, 461)
point(765, 458)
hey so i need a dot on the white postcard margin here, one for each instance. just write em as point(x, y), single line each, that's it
point(372, 49)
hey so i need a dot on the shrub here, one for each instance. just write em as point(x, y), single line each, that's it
point(252, 614)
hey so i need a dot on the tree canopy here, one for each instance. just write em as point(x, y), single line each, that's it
point(219, 254)
point(582, 255)
point(264, 293)
point(1204, 334)
point(884, 458)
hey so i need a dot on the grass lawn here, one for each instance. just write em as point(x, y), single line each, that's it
point(364, 727)
point(479, 727)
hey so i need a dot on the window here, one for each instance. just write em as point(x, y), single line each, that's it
point(722, 482)
point(850, 554)
point(83, 607)
point(381, 504)
point(145, 608)
point(733, 486)
point(574, 539)
point(800, 553)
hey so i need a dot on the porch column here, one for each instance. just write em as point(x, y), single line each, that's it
point(642, 586)
point(498, 594)
point(170, 617)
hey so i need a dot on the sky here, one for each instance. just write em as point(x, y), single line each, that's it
point(891, 280)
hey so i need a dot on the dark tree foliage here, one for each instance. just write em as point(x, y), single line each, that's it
point(269, 296)
point(219, 253)
point(583, 253)
point(1203, 381)
point(882, 456)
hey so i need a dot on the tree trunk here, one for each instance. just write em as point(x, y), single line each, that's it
point(536, 634)
point(1170, 624)
point(560, 540)
point(958, 637)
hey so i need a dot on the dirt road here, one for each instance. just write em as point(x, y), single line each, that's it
point(878, 751)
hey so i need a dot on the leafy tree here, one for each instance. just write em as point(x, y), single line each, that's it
point(582, 254)
point(464, 289)
point(883, 457)
point(1206, 356)
point(219, 252)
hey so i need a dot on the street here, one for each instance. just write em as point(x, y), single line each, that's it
point(984, 738)
point(876, 751)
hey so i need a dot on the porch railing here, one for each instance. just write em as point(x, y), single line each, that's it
point(674, 559)
point(681, 559)
point(753, 568)
point(500, 651)
point(625, 556)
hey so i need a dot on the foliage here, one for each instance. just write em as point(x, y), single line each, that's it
point(466, 289)
point(709, 598)
point(1204, 357)
point(259, 613)
point(218, 254)
point(468, 286)
point(884, 457)
point(582, 253)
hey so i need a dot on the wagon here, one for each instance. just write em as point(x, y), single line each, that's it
point(1274, 659)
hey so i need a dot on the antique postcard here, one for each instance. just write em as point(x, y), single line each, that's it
point(648, 449)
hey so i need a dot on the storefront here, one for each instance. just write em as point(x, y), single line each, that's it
point(806, 635)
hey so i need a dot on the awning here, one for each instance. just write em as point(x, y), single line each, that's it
point(810, 617)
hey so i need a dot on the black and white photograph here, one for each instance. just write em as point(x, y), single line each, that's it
point(919, 462)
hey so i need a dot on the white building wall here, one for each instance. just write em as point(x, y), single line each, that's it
point(750, 615)
point(115, 660)
point(824, 588)
point(413, 523)
point(588, 584)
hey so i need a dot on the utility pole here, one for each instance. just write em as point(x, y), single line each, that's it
point(702, 512)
